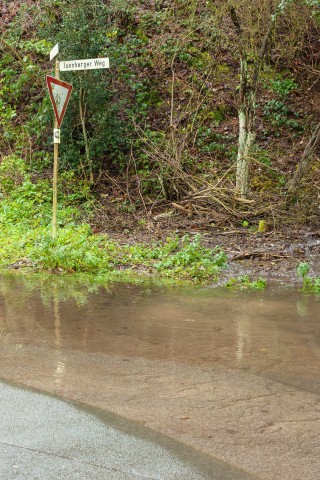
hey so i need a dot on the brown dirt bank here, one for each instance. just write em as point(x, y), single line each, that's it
point(269, 241)
point(273, 254)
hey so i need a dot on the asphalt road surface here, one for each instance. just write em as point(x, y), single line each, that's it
point(43, 437)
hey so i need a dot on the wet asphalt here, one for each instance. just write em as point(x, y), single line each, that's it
point(44, 437)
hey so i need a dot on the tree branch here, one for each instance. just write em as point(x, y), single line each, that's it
point(311, 146)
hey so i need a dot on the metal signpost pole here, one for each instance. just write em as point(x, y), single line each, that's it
point(60, 92)
point(55, 168)
point(59, 95)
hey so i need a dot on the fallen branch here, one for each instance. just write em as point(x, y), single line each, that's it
point(259, 253)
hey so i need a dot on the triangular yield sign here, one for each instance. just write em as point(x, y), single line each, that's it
point(59, 95)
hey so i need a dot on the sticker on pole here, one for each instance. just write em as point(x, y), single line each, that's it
point(59, 95)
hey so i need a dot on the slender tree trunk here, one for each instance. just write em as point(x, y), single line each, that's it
point(82, 110)
point(246, 132)
point(246, 141)
point(247, 110)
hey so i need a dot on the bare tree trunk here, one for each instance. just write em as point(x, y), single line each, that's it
point(246, 132)
point(311, 146)
point(82, 110)
point(246, 141)
point(247, 109)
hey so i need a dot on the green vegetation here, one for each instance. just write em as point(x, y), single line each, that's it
point(165, 112)
point(26, 238)
point(279, 111)
point(246, 283)
point(309, 284)
point(157, 132)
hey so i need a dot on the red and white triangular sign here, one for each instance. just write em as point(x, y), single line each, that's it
point(59, 94)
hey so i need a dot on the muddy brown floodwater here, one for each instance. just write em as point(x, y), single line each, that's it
point(234, 374)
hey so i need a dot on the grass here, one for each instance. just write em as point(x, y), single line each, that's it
point(26, 240)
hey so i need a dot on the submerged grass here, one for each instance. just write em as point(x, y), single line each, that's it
point(244, 282)
point(26, 240)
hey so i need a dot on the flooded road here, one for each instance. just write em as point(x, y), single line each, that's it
point(70, 441)
point(234, 374)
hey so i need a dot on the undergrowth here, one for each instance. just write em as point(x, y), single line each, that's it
point(26, 237)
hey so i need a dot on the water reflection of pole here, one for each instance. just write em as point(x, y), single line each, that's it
point(243, 332)
point(254, 335)
point(57, 321)
point(60, 368)
point(85, 332)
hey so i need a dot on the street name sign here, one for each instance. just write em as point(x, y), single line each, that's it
point(59, 95)
point(86, 64)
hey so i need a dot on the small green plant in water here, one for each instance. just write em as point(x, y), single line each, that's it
point(309, 284)
point(245, 283)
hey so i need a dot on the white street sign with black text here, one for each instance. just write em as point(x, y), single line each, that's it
point(87, 64)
